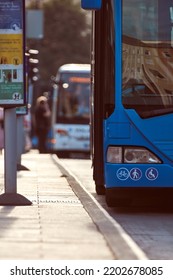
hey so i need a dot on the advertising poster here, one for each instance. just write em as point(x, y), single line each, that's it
point(11, 53)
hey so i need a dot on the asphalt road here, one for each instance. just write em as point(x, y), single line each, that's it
point(151, 229)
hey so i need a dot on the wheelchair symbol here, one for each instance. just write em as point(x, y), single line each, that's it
point(151, 173)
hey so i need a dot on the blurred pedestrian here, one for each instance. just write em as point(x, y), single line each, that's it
point(41, 123)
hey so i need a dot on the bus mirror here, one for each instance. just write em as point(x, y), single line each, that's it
point(54, 81)
point(91, 4)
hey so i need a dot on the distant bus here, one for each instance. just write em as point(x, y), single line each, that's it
point(70, 131)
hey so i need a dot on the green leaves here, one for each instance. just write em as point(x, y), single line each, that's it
point(66, 37)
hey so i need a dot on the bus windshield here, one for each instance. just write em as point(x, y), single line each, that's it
point(147, 82)
point(73, 98)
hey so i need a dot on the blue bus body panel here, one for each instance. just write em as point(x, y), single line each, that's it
point(131, 175)
point(126, 128)
point(157, 130)
point(91, 4)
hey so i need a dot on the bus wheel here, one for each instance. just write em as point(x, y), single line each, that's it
point(63, 154)
point(100, 189)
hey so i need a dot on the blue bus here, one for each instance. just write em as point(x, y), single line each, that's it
point(132, 97)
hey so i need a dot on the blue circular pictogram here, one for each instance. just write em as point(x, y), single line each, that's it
point(135, 174)
point(122, 174)
point(151, 173)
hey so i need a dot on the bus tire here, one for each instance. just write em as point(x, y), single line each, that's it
point(63, 154)
point(100, 189)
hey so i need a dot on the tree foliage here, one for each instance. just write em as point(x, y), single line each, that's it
point(66, 37)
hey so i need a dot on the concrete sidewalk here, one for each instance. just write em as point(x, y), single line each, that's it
point(56, 225)
point(64, 221)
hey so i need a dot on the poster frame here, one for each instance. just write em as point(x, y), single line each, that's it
point(11, 102)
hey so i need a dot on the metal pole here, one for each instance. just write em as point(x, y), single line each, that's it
point(20, 142)
point(11, 197)
point(10, 150)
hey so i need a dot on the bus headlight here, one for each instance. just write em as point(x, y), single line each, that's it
point(139, 155)
point(130, 155)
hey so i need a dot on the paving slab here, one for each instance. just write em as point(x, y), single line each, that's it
point(56, 225)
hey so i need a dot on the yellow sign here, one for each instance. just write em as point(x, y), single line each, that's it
point(11, 49)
